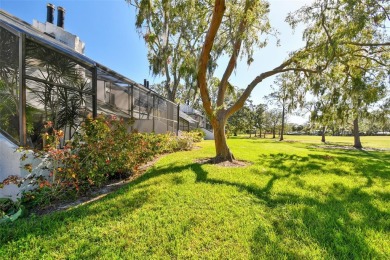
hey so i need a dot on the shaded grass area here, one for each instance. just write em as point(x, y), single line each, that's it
point(294, 201)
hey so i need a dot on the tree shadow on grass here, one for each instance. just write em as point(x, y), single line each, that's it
point(369, 164)
point(335, 228)
point(336, 223)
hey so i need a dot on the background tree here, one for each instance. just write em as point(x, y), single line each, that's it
point(251, 117)
point(172, 37)
point(259, 117)
point(382, 114)
point(239, 122)
point(288, 96)
point(273, 119)
point(324, 106)
point(362, 92)
point(359, 47)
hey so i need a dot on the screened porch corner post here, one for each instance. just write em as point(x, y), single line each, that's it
point(94, 91)
point(132, 106)
point(129, 100)
point(178, 119)
point(22, 90)
point(154, 113)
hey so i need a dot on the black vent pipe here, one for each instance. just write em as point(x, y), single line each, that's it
point(50, 13)
point(60, 17)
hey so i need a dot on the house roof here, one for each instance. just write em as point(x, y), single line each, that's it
point(18, 26)
point(187, 117)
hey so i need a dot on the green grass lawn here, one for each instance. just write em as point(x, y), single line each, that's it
point(294, 201)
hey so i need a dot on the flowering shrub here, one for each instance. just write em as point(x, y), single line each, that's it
point(101, 150)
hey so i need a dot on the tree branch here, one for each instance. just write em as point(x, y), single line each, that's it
point(281, 68)
point(375, 44)
point(233, 59)
point(219, 9)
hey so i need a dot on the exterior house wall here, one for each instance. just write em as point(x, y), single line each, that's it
point(121, 99)
point(208, 134)
point(160, 127)
point(11, 164)
point(143, 125)
point(100, 90)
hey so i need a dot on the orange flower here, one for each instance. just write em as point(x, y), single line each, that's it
point(60, 134)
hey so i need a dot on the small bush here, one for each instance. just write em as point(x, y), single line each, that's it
point(186, 141)
point(197, 135)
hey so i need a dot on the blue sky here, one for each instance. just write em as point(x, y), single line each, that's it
point(107, 28)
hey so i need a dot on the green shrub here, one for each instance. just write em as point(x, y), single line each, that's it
point(197, 135)
point(168, 143)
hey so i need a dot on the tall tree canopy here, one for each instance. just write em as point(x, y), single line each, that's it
point(358, 51)
point(364, 29)
point(336, 31)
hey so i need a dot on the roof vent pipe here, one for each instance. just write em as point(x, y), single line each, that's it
point(50, 13)
point(60, 16)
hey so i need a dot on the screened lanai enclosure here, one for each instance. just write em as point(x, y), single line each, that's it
point(44, 81)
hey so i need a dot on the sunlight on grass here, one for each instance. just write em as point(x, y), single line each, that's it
point(293, 201)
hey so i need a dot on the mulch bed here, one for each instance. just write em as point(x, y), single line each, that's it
point(95, 194)
point(233, 164)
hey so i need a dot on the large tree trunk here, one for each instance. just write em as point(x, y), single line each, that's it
point(356, 135)
point(260, 133)
point(323, 134)
point(273, 132)
point(282, 130)
point(223, 152)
